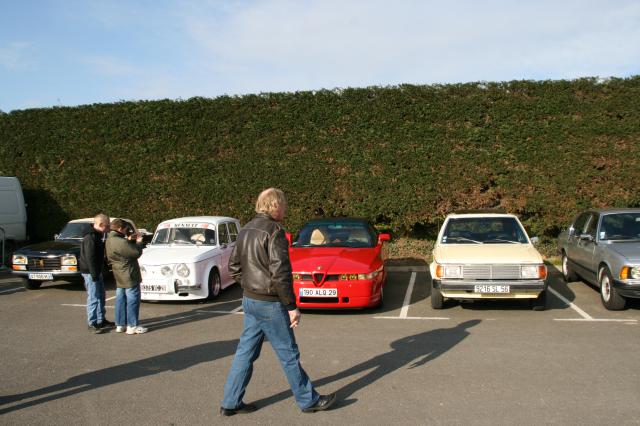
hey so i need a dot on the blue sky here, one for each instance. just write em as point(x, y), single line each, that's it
point(74, 52)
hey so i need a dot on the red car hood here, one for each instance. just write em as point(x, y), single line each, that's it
point(335, 260)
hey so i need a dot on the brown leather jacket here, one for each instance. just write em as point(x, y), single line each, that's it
point(260, 262)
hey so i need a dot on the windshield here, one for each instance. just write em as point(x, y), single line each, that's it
point(185, 236)
point(483, 230)
point(336, 234)
point(74, 231)
point(621, 226)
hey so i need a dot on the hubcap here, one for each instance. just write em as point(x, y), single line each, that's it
point(605, 287)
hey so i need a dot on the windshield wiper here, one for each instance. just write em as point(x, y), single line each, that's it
point(463, 239)
point(501, 240)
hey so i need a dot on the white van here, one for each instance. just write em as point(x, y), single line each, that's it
point(13, 212)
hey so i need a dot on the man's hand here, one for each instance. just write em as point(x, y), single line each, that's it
point(294, 318)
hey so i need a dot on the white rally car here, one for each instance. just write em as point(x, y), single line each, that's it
point(188, 258)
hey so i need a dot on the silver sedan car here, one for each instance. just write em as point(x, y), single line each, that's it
point(602, 246)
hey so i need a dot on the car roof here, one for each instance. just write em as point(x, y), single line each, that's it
point(614, 210)
point(337, 219)
point(462, 215)
point(210, 219)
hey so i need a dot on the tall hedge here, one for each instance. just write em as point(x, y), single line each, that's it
point(401, 156)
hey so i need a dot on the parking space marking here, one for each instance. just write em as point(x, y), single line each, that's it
point(239, 308)
point(572, 305)
point(407, 297)
point(414, 318)
point(12, 289)
point(596, 319)
point(111, 298)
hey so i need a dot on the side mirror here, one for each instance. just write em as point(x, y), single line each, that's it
point(55, 236)
point(586, 237)
point(570, 231)
point(535, 240)
point(383, 237)
point(289, 238)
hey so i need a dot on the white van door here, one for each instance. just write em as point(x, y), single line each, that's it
point(13, 214)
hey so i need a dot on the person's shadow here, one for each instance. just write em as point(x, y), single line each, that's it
point(171, 361)
point(410, 352)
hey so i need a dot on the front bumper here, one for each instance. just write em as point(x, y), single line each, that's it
point(57, 275)
point(629, 288)
point(465, 289)
point(357, 295)
point(172, 290)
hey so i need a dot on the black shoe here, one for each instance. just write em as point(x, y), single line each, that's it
point(95, 328)
point(242, 409)
point(324, 402)
point(106, 323)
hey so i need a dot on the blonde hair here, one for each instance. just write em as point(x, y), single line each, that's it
point(270, 200)
point(101, 218)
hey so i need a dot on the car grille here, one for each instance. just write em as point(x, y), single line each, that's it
point(43, 264)
point(491, 272)
point(308, 277)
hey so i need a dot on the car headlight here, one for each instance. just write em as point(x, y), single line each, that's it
point(68, 260)
point(19, 259)
point(533, 271)
point(630, 272)
point(182, 270)
point(165, 271)
point(449, 271)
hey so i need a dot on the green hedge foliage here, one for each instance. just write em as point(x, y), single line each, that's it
point(402, 156)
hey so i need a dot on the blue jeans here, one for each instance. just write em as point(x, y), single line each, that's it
point(127, 306)
point(270, 320)
point(95, 299)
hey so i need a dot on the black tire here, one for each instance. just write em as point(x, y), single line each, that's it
point(215, 285)
point(31, 284)
point(437, 301)
point(381, 301)
point(540, 304)
point(568, 273)
point(609, 295)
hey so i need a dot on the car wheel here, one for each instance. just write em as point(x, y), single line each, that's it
point(381, 301)
point(567, 272)
point(31, 284)
point(214, 285)
point(437, 301)
point(609, 295)
point(540, 303)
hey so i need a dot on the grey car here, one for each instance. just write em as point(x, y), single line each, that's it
point(602, 246)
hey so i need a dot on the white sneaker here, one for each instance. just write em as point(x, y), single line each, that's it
point(120, 328)
point(136, 330)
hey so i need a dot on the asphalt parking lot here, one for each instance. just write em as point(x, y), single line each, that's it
point(405, 363)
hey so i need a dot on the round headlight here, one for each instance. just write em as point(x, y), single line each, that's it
point(165, 271)
point(182, 270)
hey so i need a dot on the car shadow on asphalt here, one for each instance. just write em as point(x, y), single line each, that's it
point(172, 361)
point(409, 352)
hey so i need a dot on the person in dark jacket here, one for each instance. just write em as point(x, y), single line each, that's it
point(124, 247)
point(90, 265)
point(260, 263)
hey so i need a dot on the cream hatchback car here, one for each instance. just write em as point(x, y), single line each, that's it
point(486, 256)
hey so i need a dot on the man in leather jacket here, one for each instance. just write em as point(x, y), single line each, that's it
point(260, 263)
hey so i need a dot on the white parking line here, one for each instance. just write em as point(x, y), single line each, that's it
point(407, 297)
point(582, 313)
point(239, 308)
point(111, 298)
point(12, 289)
point(414, 318)
point(595, 320)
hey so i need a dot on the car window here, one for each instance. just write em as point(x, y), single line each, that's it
point(233, 231)
point(75, 231)
point(336, 234)
point(592, 225)
point(620, 226)
point(185, 236)
point(223, 233)
point(580, 222)
point(483, 230)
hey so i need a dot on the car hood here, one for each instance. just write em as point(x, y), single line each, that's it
point(166, 255)
point(630, 250)
point(334, 259)
point(486, 253)
point(51, 247)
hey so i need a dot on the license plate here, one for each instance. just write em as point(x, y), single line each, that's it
point(491, 289)
point(40, 276)
point(153, 288)
point(318, 292)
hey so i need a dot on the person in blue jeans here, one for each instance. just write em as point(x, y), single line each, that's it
point(260, 263)
point(90, 265)
point(124, 247)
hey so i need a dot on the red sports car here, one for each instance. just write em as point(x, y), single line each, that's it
point(338, 263)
